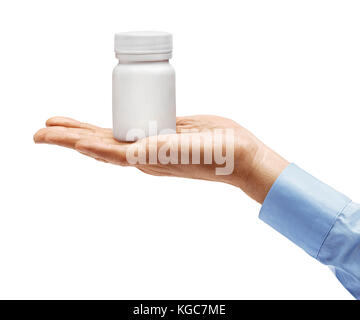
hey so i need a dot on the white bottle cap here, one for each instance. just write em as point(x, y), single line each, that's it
point(143, 45)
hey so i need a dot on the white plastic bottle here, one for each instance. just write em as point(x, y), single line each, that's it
point(143, 85)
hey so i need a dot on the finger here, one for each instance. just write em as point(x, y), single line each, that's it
point(69, 123)
point(60, 138)
point(103, 150)
point(186, 123)
point(72, 123)
point(66, 137)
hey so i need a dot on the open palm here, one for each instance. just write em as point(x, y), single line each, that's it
point(99, 143)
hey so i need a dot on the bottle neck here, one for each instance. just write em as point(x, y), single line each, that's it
point(154, 57)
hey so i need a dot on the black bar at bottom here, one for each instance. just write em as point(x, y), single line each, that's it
point(165, 309)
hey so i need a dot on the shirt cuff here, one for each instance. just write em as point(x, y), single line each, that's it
point(302, 208)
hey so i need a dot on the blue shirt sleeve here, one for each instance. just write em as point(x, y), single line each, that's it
point(319, 219)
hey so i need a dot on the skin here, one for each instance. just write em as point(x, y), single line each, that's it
point(256, 167)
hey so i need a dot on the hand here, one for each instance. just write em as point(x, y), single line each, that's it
point(255, 166)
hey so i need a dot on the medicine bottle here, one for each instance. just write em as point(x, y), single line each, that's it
point(143, 100)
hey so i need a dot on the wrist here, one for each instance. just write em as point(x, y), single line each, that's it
point(267, 167)
point(256, 167)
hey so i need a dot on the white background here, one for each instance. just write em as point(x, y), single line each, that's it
point(71, 227)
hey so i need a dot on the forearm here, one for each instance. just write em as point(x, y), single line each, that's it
point(319, 219)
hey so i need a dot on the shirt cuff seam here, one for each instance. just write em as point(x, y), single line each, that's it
point(272, 189)
point(331, 227)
